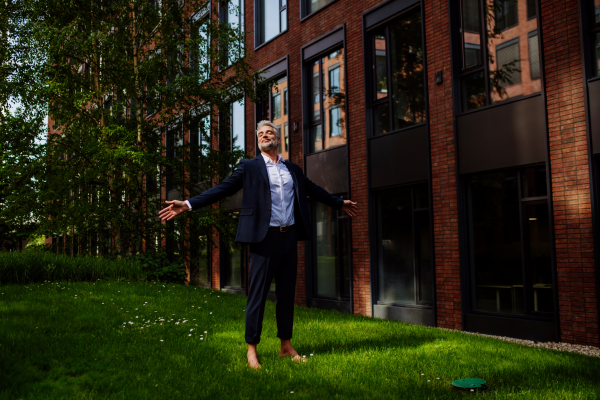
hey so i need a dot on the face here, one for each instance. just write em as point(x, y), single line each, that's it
point(267, 139)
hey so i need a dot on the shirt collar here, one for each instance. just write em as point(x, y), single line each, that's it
point(268, 159)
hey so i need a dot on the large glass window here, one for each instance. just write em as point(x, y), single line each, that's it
point(234, 266)
point(398, 98)
point(510, 265)
point(199, 148)
point(500, 57)
point(274, 108)
point(200, 254)
point(327, 115)
point(404, 246)
point(310, 6)
point(232, 13)
point(200, 52)
point(331, 272)
point(272, 19)
point(595, 16)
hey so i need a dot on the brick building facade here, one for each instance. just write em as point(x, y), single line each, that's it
point(490, 140)
point(468, 132)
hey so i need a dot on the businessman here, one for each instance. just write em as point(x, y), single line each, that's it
point(273, 217)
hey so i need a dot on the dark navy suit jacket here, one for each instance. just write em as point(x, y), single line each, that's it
point(255, 214)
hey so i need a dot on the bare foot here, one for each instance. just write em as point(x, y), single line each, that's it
point(253, 357)
point(288, 351)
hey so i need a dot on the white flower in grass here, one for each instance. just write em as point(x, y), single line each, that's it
point(103, 303)
point(201, 338)
point(311, 355)
point(177, 323)
point(130, 323)
point(190, 334)
point(191, 329)
point(161, 340)
point(205, 332)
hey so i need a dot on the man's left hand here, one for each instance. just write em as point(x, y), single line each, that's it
point(350, 208)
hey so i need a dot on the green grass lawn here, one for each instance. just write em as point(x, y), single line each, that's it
point(108, 340)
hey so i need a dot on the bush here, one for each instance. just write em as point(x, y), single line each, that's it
point(157, 266)
point(37, 266)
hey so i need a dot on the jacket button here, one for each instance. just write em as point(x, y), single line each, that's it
point(269, 210)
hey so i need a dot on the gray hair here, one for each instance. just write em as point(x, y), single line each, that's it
point(269, 123)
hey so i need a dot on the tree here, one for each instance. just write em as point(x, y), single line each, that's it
point(122, 81)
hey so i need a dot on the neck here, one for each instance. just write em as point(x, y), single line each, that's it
point(272, 154)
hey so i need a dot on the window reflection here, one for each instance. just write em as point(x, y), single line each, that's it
point(511, 270)
point(314, 5)
point(512, 65)
point(331, 274)
point(595, 36)
point(404, 238)
point(398, 66)
point(327, 127)
point(234, 266)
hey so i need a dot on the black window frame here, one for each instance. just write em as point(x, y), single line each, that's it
point(327, 44)
point(225, 60)
point(370, 81)
point(199, 18)
point(525, 249)
point(459, 62)
point(416, 245)
point(340, 219)
point(259, 40)
point(594, 29)
point(304, 9)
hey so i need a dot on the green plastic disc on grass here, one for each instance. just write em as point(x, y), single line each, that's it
point(469, 383)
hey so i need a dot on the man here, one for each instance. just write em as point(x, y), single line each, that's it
point(274, 216)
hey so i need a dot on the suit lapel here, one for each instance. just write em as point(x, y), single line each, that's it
point(263, 168)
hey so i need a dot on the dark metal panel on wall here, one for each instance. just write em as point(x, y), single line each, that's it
point(412, 315)
point(399, 158)
point(542, 331)
point(329, 169)
point(505, 136)
point(385, 11)
point(594, 101)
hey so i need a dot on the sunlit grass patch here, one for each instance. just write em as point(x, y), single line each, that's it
point(111, 340)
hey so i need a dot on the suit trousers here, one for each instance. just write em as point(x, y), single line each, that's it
point(275, 257)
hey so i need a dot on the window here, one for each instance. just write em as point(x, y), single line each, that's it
point(398, 98)
point(331, 271)
point(595, 31)
point(510, 267)
point(405, 271)
point(272, 19)
point(174, 143)
point(500, 58)
point(200, 253)
point(200, 53)
point(327, 101)
point(199, 148)
point(232, 13)
point(506, 14)
point(271, 109)
point(234, 266)
point(534, 55)
point(507, 55)
point(310, 6)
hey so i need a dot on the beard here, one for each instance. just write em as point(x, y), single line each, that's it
point(268, 146)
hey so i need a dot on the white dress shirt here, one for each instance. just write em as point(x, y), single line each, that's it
point(282, 192)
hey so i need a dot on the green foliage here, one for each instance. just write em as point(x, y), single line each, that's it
point(157, 266)
point(65, 340)
point(124, 82)
point(37, 266)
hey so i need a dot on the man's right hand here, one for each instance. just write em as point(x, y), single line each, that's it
point(175, 208)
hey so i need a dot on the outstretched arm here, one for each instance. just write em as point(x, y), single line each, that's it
point(227, 188)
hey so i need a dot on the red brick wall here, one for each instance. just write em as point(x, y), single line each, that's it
point(570, 174)
point(443, 165)
point(289, 44)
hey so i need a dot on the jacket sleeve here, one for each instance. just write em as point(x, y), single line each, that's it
point(316, 192)
point(228, 187)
